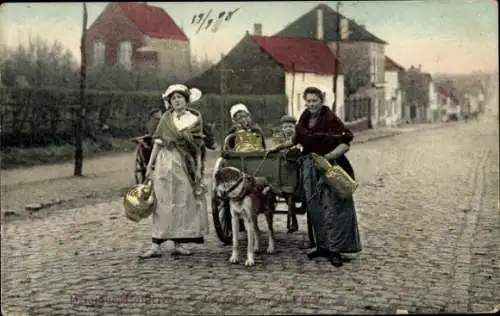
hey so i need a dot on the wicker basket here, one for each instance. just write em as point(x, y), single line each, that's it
point(139, 201)
point(247, 141)
point(344, 185)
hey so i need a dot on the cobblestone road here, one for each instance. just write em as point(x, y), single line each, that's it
point(428, 214)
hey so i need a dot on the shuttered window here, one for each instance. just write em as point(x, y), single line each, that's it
point(99, 49)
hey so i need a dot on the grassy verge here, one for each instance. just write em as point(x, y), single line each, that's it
point(26, 157)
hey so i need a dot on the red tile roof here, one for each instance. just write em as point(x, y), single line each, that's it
point(299, 54)
point(152, 21)
point(391, 65)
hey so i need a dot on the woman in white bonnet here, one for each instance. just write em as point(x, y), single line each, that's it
point(181, 214)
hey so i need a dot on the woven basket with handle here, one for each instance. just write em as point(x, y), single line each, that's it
point(139, 201)
point(335, 176)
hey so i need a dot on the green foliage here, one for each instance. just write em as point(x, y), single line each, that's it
point(416, 87)
point(38, 117)
point(356, 67)
point(40, 64)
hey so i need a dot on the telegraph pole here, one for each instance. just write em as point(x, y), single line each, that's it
point(222, 88)
point(337, 56)
point(81, 111)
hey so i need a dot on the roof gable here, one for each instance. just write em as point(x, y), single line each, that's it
point(391, 65)
point(305, 26)
point(446, 91)
point(298, 54)
point(152, 21)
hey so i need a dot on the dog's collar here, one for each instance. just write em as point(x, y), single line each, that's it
point(246, 187)
point(236, 184)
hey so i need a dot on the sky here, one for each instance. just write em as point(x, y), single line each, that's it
point(445, 36)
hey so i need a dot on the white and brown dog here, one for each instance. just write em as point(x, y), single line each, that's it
point(248, 197)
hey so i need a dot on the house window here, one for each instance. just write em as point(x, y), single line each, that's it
point(373, 68)
point(99, 49)
point(125, 54)
point(380, 70)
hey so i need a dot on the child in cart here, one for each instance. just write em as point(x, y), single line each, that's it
point(245, 135)
point(287, 130)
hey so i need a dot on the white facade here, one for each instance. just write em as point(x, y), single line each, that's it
point(296, 83)
point(433, 97)
point(434, 111)
point(174, 56)
point(447, 107)
point(444, 102)
point(480, 97)
point(393, 99)
point(473, 102)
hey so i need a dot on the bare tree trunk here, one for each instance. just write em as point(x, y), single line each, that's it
point(337, 62)
point(81, 113)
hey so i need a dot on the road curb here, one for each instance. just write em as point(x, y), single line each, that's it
point(462, 275)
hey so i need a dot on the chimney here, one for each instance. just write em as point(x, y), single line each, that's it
point(257, 29)
point(419, 67)
point(319, 25)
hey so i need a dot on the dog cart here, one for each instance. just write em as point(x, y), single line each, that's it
point(280, 171)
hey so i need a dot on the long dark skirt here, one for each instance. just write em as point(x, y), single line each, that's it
point(333, 219)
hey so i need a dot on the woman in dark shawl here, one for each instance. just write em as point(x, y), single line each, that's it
point(334, 221)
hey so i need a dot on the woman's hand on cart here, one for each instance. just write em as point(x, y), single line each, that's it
point(274, 149)
point(280, 147)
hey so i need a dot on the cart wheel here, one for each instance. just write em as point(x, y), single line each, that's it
point(222, 219)
point(221, 212)
point(140, 167)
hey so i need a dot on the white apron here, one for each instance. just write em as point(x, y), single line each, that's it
point(179, 214)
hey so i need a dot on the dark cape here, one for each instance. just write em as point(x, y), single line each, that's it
point(210, 142)
point(333, 219)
